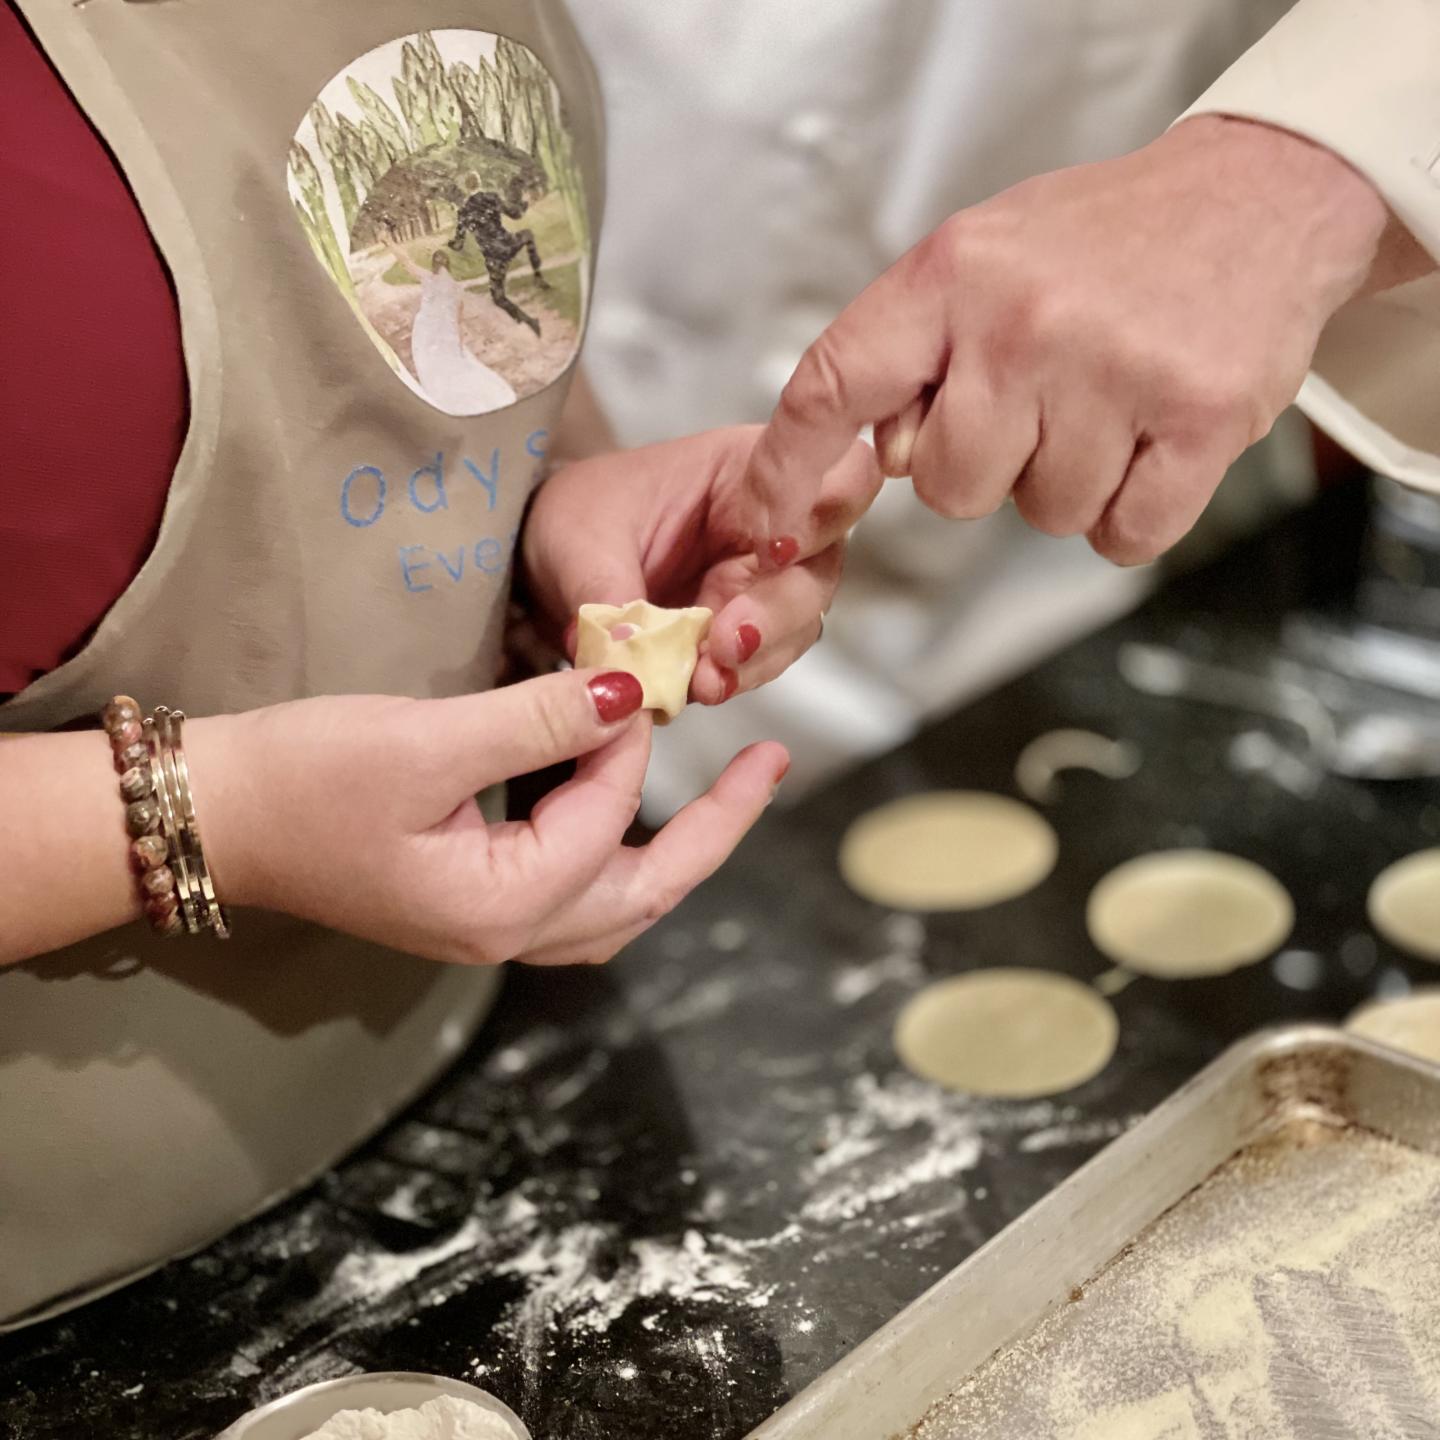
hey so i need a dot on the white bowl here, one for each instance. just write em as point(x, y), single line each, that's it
point(294, 1416)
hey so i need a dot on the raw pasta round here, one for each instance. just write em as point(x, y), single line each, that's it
point(947, 850)
point(1009, 1033)
point(1410, 1023)
point(1404, 904)
point(1180, 913)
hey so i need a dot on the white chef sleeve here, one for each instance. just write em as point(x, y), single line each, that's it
point(1362, 77)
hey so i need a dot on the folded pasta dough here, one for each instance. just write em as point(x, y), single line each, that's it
point(659, 647)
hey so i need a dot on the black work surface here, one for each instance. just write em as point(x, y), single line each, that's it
point(656, 1200)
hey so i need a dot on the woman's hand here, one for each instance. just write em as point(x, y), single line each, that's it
point(358, 813)
point(673, 524)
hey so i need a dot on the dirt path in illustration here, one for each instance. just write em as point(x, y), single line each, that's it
point(529, 362)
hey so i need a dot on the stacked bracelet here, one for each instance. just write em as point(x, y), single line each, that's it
point(165, 850)
point(198, 901)
point(149, 852)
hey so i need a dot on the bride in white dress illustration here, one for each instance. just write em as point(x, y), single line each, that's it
point(452, 378)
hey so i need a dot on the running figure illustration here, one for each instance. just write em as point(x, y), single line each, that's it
point(480, 215)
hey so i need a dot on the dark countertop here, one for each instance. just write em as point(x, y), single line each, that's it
point(657, 1199)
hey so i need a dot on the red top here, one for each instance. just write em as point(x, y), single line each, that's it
point(92, 380)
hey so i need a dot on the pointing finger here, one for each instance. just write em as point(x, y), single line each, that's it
point(873, 361)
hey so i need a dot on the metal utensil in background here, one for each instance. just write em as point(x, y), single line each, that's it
point(1157, 670)
point(1369, 654)
point(1366, 744)
point(1399, 583)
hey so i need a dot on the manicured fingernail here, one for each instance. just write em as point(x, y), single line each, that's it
point(729, 682)
point(617, 695)
point(775, 783)
point(747, 641)
point(783, 551)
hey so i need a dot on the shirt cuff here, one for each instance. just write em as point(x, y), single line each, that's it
point(1362, 78)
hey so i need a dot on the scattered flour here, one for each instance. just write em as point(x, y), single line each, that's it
point(900, 965)
point(1081, 1132)
point(880, 1154)
point(400, 1204)
point(855, 982)
point(862, 1166)
point(728, 936)
point(377, 1272)
point(698, 1001)
point(573, 1280)
point(444, 1418)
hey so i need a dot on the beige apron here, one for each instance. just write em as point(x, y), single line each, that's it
point(329, 529)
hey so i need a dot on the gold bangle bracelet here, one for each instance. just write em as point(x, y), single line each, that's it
point(213, 913)
point(209, 914)
point(166, 790)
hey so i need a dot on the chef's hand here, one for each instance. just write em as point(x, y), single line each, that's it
point(1100, 343)
point(357, 812)
point(673, 523)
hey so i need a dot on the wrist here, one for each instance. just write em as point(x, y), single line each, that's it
point(1325, 213)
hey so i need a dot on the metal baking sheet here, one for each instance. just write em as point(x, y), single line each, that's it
point(1179, 1284)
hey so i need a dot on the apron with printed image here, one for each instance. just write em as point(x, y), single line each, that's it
point(381, 239)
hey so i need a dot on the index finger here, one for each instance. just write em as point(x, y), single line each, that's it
point(574, 832)
point(639, 885)
point(877, 357)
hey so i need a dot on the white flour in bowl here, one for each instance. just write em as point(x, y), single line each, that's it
point(445, 1418)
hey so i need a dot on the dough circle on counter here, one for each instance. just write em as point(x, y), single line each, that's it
point(947, 850)
point(1404, 904)
point(1181, 913)
point(1013, 1034)
point(1410, 1023)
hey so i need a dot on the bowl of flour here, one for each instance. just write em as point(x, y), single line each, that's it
point(391, 1406)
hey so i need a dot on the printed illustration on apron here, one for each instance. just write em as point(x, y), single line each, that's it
point(435, 179)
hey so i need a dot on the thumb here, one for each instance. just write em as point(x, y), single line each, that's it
point(590, 568)
point(480, 740)
point(608, 581)
point(597, 564)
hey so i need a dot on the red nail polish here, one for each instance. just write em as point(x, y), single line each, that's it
point(775, 783)
point(729, 681)
point(783, 551)
point(617, 695)
point(747, 641)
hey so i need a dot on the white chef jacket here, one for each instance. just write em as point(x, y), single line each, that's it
point(1363, 78)
point(769, 160)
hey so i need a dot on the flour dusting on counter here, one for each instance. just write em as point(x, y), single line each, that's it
point(899, 1134)
point(898, 965)
point(575, 1279)
point(1075, 1132)
point(869, 1154)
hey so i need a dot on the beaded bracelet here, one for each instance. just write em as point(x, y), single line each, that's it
point(149, 852)
point(165, 850)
